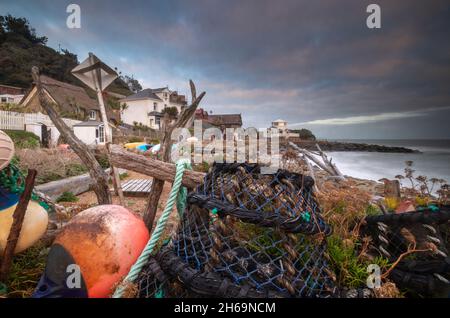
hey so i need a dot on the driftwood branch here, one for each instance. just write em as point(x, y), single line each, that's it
point(327, 161)
point(166, 147)
point(154, 168)
point(16, 227)
point(311, 173)
point(96, 172)
point(309, 156)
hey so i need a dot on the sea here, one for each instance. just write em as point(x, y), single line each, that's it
point(432, 161)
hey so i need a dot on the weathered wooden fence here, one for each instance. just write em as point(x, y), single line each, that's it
point(17, 121)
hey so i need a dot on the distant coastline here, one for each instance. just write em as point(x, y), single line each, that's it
point(327, 145)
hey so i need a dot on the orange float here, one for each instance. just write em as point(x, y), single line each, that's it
point(92, 253)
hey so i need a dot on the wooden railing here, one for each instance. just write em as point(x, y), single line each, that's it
point(17, 121)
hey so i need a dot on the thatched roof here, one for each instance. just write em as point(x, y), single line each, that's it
point(69, 97)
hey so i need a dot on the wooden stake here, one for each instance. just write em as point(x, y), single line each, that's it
point(96, 172)
point(16, 227)
point(166, 149)
point(108, 137)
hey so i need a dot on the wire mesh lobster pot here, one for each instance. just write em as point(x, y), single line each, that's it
point(426, 272)
point(245, 234)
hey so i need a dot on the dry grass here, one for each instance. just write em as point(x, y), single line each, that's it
point(51, 164)
point(343, 205)
point(26, 270)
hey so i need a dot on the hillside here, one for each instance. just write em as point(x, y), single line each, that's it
point(21, 48)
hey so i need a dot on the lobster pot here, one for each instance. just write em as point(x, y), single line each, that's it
point(245, 234)
point(426, 272)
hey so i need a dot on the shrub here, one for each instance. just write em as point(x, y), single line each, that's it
point(102, 159)
point(75, 169)
point(67, 197)
point(350, 269)
point(135, 139)
point(171, 111)
point(305, 134)
point(23, 139)
point(123, 175)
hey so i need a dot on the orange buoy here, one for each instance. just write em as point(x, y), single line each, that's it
point(100, 245)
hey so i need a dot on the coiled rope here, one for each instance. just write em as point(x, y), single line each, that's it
point(178, 194)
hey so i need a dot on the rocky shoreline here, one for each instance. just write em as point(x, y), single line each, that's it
point(350, 146)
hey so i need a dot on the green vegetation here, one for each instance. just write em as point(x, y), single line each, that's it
point(11, 107)
point(103, 160)
point(171, 111)
point(75, 169)
point(351, 270)
point(123, 175)
point(135, 139)
point(23, 139)
point(21, 48)
point(26, 269)
point(67, 197)
point(305, 134)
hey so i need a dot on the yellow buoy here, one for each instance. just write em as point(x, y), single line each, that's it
point(133, 145)
point(34, 226)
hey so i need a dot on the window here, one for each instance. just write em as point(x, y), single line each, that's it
point(4, 99)
point(101, 131)
point(92, 115)
point(154, 106)
point(158, 121)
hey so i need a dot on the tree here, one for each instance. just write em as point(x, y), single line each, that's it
point(133, 84)
point(305, 134)
point(171, 111)
point(20, 26)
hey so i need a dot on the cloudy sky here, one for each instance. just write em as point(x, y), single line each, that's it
point(312, 63)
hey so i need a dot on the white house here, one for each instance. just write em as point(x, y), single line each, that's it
point(9, 98)
point(10, 94)
point(282, 127)
point(147, 106)
point(91, 132)
point(280, 124)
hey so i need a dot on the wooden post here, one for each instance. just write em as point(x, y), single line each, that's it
point(392, 189)
point(108, 137)
point(96, 172)
point(16, 227)
point(166, 148)
point(151, 167)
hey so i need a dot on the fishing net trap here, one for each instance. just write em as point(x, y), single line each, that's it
point(245, 234)
point(396, 236)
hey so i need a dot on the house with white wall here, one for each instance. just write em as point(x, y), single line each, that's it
point(91, 132)
point(10, 94)
point(70, 101)
point(147, 106)
point(282, 127)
